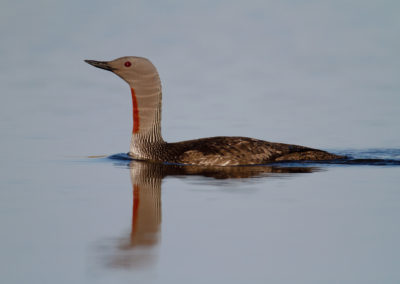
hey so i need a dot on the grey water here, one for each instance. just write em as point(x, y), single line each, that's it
point(319, 74)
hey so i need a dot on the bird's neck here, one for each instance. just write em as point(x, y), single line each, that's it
point(146, 109)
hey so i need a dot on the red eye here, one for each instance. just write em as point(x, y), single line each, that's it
point(127, 64)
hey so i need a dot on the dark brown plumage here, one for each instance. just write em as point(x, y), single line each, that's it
point(233, 151)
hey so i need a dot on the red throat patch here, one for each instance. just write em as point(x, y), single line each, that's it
point(135, 112)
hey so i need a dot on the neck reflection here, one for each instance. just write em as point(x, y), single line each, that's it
point(146, 208)
point(140, 249)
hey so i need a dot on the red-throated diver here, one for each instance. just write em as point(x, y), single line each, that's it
point(148, 144)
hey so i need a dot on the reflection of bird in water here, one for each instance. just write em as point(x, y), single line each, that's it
point(146, 208)
point(140, 248)
point(147, 143)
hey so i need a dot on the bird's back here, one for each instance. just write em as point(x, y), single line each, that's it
point(232, 151)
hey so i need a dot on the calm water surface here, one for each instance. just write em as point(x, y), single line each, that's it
point(102, 220)
point(320, 74)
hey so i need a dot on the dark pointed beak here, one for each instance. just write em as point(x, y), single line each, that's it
point(100, 64)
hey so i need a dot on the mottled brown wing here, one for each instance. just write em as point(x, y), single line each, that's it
point(230, 151)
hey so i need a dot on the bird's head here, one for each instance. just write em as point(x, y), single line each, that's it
point(130, 68)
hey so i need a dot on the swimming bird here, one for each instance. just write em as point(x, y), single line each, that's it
point(148, 144)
